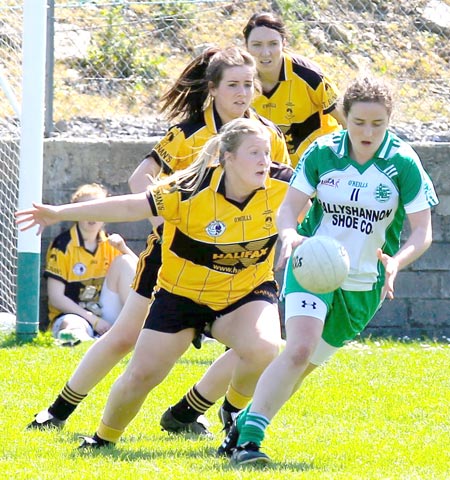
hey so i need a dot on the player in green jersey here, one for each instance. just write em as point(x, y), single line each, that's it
point(365, 182)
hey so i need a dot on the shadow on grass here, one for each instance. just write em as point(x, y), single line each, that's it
point(195, 361)
point(201, 451)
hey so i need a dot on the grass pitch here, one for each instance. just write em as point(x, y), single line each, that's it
point(378, 410)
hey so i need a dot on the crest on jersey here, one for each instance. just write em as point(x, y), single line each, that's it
point(382, 193)
point(79, 269)
point(215, 228)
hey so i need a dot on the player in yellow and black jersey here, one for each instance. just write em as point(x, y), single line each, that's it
point(214, 249)
point(80, 270)
point(216, 87)
point(226, 287)
point(88, 276)
point(297, 95)
point(183, 142)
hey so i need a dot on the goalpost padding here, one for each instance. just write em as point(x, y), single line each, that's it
point(31, 162)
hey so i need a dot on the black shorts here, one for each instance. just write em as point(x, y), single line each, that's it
point(170, 313)
point(148, 266)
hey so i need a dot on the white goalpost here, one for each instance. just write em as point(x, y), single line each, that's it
point(22, 94)
point(31, 161)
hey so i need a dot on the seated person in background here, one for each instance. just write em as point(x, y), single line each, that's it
point(88, 276)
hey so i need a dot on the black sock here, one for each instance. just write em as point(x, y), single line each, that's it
point(226, 405)
point(100, 441)
point(190, 407)
point(66, 403)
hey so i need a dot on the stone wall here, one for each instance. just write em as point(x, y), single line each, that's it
point(422, 303)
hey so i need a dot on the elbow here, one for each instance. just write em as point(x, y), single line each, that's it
point(428, 241)
point(132, 183)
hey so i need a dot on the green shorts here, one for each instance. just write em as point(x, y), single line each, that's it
point(345, 313)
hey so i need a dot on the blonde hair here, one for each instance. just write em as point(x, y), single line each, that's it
point(94, 190)
point(229, 139)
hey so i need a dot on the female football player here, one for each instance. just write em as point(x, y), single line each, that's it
point(364, 181)
point(213, 89)
point(296, 95)
point(217, 272)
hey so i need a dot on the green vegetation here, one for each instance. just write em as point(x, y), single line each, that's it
point(114, 54)
point(379, 410)
point(138, 48)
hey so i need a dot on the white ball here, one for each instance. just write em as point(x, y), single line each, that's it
point(320, 264)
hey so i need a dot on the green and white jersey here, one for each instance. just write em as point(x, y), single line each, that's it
point(362, 206)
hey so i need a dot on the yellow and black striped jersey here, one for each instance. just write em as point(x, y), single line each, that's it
point(81, 271)
point(184, 141)
point(300, 104)
point(215, 251)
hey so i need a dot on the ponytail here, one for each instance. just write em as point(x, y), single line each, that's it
point(190, 91)
point(188, 96)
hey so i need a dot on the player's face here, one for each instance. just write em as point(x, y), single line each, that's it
point(367, 123)
point(266, 47)
point(247, 168)
point(89, 229)
point(234, 93)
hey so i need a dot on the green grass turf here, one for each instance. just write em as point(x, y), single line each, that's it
point(378, 410)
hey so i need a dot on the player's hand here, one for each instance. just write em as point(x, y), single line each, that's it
point(290, 239)
point(391, 267)
point(117, 242)
point(41, 215)
point(102, 326)
point(97, 323)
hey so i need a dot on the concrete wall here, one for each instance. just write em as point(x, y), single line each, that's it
point(422, 303)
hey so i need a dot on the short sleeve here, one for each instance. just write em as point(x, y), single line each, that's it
point(165, 202)
point(57, 264)
point(172, 150)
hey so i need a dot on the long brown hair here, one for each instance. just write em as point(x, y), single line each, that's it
point(188, 95)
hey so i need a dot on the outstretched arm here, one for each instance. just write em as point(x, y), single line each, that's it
point(123, 208)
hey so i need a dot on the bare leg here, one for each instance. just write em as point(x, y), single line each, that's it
point(253, 332)
point(109, 349)
point(153, 358)
point(120, 275)
point(283, 376)
point(214, 383)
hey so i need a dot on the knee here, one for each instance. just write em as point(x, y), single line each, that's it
point(124, 264)
point(120, 344)
point(263, 352)
point(299, 355)
point(142, 378)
